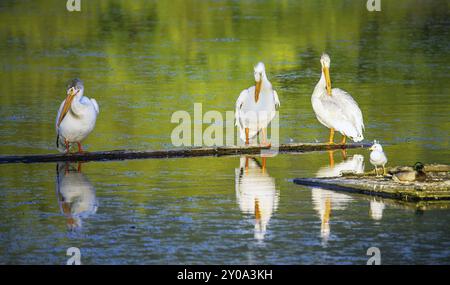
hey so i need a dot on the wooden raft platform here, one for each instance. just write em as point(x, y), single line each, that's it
point(437, 186)
point(187, 152)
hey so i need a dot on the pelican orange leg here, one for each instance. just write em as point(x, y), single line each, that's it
point(67, 146)
point(246, 136)
point(331, 141)
point(80, 148)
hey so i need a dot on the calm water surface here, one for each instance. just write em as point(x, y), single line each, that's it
point(143, 60)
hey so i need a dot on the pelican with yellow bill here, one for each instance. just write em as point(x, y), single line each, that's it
point(76, 117)
point(256, 107)
point(335, 108)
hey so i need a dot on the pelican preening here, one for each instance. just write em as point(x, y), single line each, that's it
point(335, 108)
point(76, 117)
point(256, 107)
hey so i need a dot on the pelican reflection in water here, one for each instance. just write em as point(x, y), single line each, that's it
point(76, 194)
point(256, 193)
point(354, 164)
point(324, 201)
point(376, 208)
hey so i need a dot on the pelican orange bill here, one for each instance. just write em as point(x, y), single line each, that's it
point(326, 71)
point(257, 89)
point(67, 104)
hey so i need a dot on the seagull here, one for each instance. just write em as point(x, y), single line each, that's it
point(335, 108)
point(377, 157)
point(256, 107)
point(76, 117)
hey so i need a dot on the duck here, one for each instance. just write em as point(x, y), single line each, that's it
point(411, 175)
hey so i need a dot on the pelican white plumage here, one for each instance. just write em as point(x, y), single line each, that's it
point(256, 107)
point(335, 108)
point(76, 117)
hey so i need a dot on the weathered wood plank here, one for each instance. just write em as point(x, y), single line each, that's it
point(187, 152)
point(384, 187)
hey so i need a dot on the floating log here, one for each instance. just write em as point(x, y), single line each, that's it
point(436, 187)
point(187, 152)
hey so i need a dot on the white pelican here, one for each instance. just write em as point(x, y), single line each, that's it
point(256, 107)
point(256, 193)
point(76, 194)
point(76, 117)
point(335, 108)
point(377, 157)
